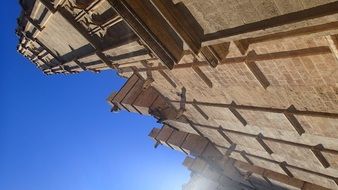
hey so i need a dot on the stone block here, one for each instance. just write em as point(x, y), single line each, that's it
point(131, 96)
point(125, 89)
point(154, 132)
point(145, 100)
point(164, 134)
point(194, 144)
point(176, 139)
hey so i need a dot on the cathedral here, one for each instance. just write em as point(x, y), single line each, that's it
point(246, 89)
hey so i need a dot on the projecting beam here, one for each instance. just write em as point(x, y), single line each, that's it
point(321, 50)
point(221, 129)
point(264, 109)
point(251, 29)
point(149, 25)
point(310, 31)
point(182, 24)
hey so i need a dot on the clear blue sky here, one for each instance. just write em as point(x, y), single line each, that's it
point(56, 132)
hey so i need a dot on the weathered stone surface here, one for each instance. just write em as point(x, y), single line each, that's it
point(257, 86)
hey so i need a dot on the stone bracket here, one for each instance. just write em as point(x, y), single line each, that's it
point(285, 169)
point(260, 140)
point(243, 154)
point(237, 114)
point(268, 109)
point(316, 150)
point(252, 66)
point(182, 22)
point(224, 135)
point(200, 110)
point(202, 76)
point(166, 77)
point(288, 113)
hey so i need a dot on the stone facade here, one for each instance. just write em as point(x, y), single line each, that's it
point(247, 89)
